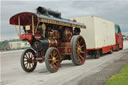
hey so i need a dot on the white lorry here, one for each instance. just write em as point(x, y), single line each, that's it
point(99, 35)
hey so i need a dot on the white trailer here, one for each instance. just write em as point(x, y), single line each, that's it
point(99, 34)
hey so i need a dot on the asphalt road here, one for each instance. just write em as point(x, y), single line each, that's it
point(68, 74)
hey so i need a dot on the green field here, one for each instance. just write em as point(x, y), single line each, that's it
point(119, 79)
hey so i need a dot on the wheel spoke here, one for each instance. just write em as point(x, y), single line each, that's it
point(25, 59)
point(32, 58)
point(81, 57)
point(54, 53)
point(57, 57)
point(79, 60)
point(29, 66)
point(80, 40)
point(27, 55)
point(54, 66)
point(26, 65)
point(82, 52)
point(51, 65)
point(30, 55)
point(50, 59)
point(77, 44)
point(57, 60)
point(82, 46)
point(25, 62)
point(51, 54)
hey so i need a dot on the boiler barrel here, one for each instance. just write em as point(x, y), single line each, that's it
point(44, 44)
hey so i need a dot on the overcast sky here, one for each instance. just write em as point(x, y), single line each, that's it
point(114, 10)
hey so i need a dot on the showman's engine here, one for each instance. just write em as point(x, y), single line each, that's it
point(51, 37)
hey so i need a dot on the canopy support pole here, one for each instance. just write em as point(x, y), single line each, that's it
point(19, 26)
point(32, 25)
point(17, 31)
point(37, 25)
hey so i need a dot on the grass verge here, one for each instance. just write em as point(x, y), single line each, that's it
point(119, 79)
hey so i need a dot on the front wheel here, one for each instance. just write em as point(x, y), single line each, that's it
point(97, 54)
point(78, 50)
point(117, 47)
point(52, 59)
point(28, 62)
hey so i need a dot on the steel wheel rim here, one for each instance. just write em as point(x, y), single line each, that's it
point(29, 60)
point(81, 50)
point(54, 60)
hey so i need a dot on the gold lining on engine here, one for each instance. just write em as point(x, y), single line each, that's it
point(44, 20)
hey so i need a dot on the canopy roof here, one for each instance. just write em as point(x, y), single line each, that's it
point(25, 18)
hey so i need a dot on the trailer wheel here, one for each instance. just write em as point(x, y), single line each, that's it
point(28, 62)
point(117, 47)
point(52, 59)
point(97, 54)
point(78, 50)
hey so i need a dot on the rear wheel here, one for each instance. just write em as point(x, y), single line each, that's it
point(121, 48)
point(97, 54)
point(117, 47)
point(52, 59)
point(28, 62)
point(78, 50)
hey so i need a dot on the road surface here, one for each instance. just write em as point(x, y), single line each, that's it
point(68, 74)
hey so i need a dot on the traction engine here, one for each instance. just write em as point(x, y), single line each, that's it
point(52, 39)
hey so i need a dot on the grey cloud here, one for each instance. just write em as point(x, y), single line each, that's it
point(114, 10)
